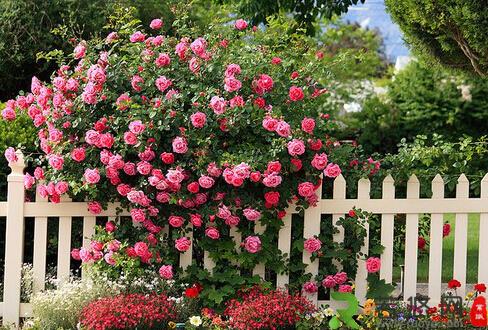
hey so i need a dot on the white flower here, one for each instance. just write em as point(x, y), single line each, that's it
point(196, 321)
point(329, 312)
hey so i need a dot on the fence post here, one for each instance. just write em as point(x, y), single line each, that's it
point(14, 242)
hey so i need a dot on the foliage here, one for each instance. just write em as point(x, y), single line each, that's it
point(421, 100)
point(361, 50)
point(304, 13)
point(16, 134)
point(426, 157)
point(457, 38)
point(26, 29)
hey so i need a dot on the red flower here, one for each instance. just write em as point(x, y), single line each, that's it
point(352, 213)
point(193, 291)
point(421, 243)
point(480, 287)
point(453, 284)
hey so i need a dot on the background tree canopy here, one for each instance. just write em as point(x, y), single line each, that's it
point(26, 28)
point(305, 12)
point(453, 33)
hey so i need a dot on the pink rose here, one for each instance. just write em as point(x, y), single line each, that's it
point(274, 166)
point(176, 221)
point(156, 24)
point(79, 51)
point(91, 176)
point(113, 245)
point(232, 70)
point(123, 102)
point(310, 287)
point(319, 161)
point(272, 180)
point(252, 244)
point(167, 157)
point(332, 170)
point(240, 24)
point(199, 46)
point(137, 127)
point(166, 272)
point(163, 83)
point(61, 187)
point(138, 36)
point(196, 220)
point(232, 84)
point(329, 282)
point(10, 155)
point(295, 93)
point(180, 145)
point(182, 244)
point(206, 182)
point(141, 249)
point(218, 105)
point(75, 254)
point(312, 245)
point(212, 233)
point(138, 215)
point(308, 125)
point(162, 60)
point(345, 288)
point(198, 119)
point(251, 214)
point(264, 84)
point(95, 207)
point(373, 264)
point(306, 189)
point(270, 124)
point(78, 154)
point(29, 181)
point(296, 147)
point(340, 278)
point(56, 162)
point(283, 129)
point(111, 37)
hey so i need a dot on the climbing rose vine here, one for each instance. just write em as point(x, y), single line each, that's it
point(204, 133)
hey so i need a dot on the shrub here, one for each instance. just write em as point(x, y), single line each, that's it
point(60, 308)
point(217, 131)
point(267, 310)
point(421, 100)
point(130, 311)
point(457, 38)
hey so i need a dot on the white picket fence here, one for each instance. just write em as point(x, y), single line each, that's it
point(15, 210)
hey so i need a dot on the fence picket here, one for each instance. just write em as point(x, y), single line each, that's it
point(435, 252)
point(364, 186)
point(40, 249)
point(411, 241)
point(259, 269)
point(64, 246)
point(14, 242)
point(461, 237)
point(186, 257)
point(284, 244)
point(483, 236)
point(339, 193)
point(311, 227)
point(387, 229)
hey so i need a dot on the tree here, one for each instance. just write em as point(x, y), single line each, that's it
point(305, 12)
point(452, 33)
point(26, 28)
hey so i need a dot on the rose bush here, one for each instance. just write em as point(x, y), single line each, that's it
point(201, 133)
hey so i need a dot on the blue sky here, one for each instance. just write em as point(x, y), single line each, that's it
point(372, 14)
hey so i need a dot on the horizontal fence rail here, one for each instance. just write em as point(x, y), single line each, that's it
point(16, 210)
